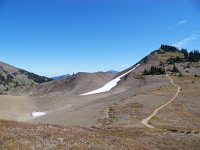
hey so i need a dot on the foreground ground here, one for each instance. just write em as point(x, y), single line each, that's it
point(19, 136)
point(112, 121)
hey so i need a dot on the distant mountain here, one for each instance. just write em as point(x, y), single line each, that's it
point(60, 77)
point(12, 77)
point(112, 72)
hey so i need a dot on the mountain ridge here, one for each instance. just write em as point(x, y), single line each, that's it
point(12, 77)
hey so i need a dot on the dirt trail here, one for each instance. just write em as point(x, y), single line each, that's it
point(146, 120)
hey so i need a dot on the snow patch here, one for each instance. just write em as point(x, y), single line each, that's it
point(111, 84)
point(38, 114)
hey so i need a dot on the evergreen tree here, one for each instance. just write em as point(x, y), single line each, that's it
point(175, 69)
point(194, 56)
point(185, 52)
point(168, 48)
point(154, 71)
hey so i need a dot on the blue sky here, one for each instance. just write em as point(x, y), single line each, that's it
point(53, 37)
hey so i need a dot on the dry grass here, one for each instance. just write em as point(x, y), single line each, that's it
point(184, 112)
point(164, 57)
point(14, 135)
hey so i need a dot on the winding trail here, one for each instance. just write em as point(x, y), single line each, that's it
point(146, 120)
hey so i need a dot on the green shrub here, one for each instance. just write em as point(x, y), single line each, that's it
point(175, 69)
point(154, 71)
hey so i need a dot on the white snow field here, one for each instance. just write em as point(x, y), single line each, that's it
point(111, 84)
point(38, 114)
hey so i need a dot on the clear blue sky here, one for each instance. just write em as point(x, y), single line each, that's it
point(53, 37)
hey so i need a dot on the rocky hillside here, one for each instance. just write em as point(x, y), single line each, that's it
point(12, 77)
point(179, 62)
point(72, 85)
